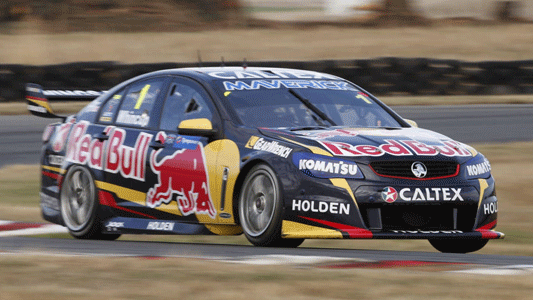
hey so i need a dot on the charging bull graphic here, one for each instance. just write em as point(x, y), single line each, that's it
point(182, 176)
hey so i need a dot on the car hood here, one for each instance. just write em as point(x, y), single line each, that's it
point(367, 144)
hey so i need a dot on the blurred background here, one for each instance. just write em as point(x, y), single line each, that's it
point(408, 52)
point(192, 15)
point(390, 47)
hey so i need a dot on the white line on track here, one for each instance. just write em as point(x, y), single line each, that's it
point(287, 260)
point(500, 270)
point(42, 229)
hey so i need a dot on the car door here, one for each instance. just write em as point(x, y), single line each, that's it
point(181, 165)
point(128, 121)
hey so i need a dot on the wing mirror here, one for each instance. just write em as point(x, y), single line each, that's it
point(411, 122)
point(199, 127)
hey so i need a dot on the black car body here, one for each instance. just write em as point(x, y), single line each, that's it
point(283, 155)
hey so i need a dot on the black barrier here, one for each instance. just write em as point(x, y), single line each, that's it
point(380, 76)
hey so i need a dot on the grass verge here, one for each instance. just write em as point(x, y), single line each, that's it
point(55, 278)
point(464, 42)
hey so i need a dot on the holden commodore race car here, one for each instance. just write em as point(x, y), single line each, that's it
point(281, 155)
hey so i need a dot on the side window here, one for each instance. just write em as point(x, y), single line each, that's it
point(110, 108)
point(138, 103)
point(185, 101)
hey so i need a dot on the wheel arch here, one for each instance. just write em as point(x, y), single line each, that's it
point(245, 170)
point(93, 229)
point(66, 169)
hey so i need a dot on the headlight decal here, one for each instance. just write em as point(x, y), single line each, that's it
point(325, 167)
point(338, 182)
point(478, 167)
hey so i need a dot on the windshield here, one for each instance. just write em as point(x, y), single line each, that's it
point(294, 103)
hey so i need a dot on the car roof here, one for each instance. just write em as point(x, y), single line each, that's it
point(242, 72)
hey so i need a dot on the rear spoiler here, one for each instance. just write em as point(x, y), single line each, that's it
point(38, 99)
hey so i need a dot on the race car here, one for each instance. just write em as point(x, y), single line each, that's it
point(281, 155)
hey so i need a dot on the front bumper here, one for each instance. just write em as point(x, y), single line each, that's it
point(464, 209)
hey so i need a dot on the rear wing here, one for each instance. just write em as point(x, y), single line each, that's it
point(38, 99)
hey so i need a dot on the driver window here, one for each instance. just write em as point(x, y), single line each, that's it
point(183, 102)
point(138, 103)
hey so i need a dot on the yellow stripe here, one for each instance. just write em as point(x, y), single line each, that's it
point(363, 98)
point(483, 185)
point(338, 182)
point(315, 150)
point(123, 193)
point(142, 95)
point(42, 104)
point(224, 229)
point(57, 170)
point(291, 229)
point(342, 183)
point(136, 197)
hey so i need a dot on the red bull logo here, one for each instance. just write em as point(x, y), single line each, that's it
point(182, 176)
point(397, 148)
point(61, 135)
point(112, 155)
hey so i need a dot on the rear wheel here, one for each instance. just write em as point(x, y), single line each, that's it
point(458, 246)
point(79, 204)
point(260, 209)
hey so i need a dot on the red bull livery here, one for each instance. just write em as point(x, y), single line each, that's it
point(281, 155)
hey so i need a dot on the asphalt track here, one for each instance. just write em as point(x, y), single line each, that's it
point(234, 252)
point(20, 143)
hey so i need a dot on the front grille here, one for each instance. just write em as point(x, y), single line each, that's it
point(424, 217)
point(402, 169)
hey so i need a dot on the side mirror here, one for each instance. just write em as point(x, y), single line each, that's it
point(411, 122)
point(199, 127)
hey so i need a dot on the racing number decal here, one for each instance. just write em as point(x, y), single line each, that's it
point(142, 95)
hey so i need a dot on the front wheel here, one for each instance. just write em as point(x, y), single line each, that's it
point(260, 209)
point(458, 246)
point(79, 204)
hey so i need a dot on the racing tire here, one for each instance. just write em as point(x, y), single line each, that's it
point(261, 207)
point(79, 206)
point(458, 246)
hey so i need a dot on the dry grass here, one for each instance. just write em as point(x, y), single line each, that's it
point(46, 277)
point(465, 42)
